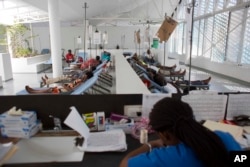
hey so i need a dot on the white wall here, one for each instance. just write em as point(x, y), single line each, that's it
point(69, 35)
point(115, 36)
point(42, 40)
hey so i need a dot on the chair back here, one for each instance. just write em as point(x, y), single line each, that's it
point(45, 51)
point(85, 86)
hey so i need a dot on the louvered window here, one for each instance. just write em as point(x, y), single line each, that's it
point(219, 37)
point(180, 31)
point(201, 36)
point(220, 5)
point(234, 38)
point(207, 37)
point(246, 0)
point(223, 34)
point(232, 3)
point(246, 43)
point(210, 6)
point(202, 7)
point(195, 38)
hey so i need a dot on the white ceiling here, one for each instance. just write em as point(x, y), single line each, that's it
point(99, 12)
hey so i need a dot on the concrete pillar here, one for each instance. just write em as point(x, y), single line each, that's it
point(55, 37)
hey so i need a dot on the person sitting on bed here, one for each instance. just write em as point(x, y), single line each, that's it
point(149, 57)
point(69, 57)
point(91, 62)
point(67, 87)
point(158, 78)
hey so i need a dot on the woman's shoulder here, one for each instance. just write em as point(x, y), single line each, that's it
point(176, 155)
point(228, 140)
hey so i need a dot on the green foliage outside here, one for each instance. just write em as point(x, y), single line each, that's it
point(19, 41)
point(3, 40)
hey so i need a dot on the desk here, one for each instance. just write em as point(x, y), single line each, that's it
point(106, 159)
point(127, 81)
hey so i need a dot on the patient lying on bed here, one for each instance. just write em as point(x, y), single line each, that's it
point(195, 82)
point(77, 74)
point(67, 87)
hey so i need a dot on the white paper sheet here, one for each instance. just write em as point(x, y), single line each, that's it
point(207, 107)
point(238, 104)
point(113, 140)
point(75, 121)
point(149, 100)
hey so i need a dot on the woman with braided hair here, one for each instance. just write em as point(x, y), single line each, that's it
point(182, 142)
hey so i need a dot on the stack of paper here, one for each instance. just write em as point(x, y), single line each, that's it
point(113, 140)
point(207, 107)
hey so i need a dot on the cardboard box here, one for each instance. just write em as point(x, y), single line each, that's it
point(95, 120)
point(166, 29)
point(100, 121)
point(90, 120)
point(20, 132)
point(25, 120)
point(126, 127)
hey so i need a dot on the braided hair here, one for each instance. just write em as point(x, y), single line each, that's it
point(176, 117)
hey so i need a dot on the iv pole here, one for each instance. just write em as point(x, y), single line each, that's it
point(191, 42)
point(164, 47)
point(84, 41)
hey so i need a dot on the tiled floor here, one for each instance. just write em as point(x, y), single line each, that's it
point(218, 83)
point(19, 82)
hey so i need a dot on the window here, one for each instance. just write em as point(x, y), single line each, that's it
point(179, 34)
point(201, 37)
point(219, 37)
point(246, 49)
point(202, 7)
point(221, 31)
point(195, 38)
point(208, 32)
point(234, 40)
point(210, 6)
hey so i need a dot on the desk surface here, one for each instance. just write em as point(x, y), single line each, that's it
point(127, 81)
point(106, 159)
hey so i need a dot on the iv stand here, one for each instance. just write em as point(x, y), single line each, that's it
point(84, 41)
point(191, 43)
